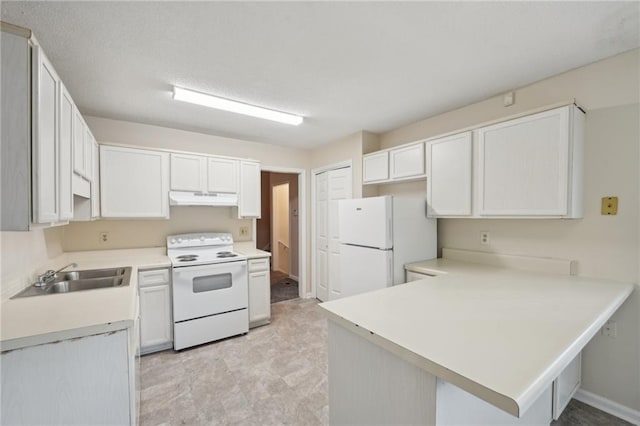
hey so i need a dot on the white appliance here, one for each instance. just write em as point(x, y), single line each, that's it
point(210, 288)
point(378, 235)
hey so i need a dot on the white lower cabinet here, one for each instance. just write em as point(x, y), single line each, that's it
point(259, 292)
point(156, 325)
point(86, 380)
point(566, 385)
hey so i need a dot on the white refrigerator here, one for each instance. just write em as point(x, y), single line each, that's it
point(378, 236)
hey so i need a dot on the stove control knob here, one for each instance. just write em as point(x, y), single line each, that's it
point(202, 238)
point(172, 241)
point(179, 240)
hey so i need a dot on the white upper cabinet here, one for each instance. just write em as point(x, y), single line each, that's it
point(532, 166)
point(375, 167)
point(188, 173)
point(79, 133)
point(95, 182)
point(249, 199)
point(89, 140)
point(407, 161)
point(65, 151)
point(449, 166)
point(526, 167)
point(199, 173)
point(45, 143)
point(402, 163)
point(134, 183)
point(222, 175)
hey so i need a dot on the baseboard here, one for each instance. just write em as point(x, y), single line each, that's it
point(608, 406)
point(293, 277)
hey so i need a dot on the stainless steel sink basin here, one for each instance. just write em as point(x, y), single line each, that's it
point(89, 274)
point(73, 281)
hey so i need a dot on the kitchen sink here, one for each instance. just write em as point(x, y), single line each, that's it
point(73, 281)
point(90, 274)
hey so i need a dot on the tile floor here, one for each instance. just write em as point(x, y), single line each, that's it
point(274, 375)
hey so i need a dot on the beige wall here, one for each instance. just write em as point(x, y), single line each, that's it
point(347, 148)
point(604, 246)
point(80, 236)
point(23, 254)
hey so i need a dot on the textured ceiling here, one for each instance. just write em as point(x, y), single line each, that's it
point(344, 66)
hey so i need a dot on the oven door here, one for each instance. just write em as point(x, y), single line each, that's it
point(200, 291)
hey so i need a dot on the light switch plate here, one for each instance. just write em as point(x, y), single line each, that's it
point(609, 206)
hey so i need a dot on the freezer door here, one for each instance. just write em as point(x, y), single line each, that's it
point(364, 269)
point(367, 222)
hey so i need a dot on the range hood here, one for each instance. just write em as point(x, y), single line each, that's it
point(182, 198)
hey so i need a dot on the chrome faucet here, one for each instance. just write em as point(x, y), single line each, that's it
point(50, 275)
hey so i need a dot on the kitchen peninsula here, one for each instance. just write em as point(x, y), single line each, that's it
point(474, 344)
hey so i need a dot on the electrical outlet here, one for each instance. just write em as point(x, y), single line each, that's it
point(484, 237)
point(104, 237)
point(244, 231)
point(610, 329)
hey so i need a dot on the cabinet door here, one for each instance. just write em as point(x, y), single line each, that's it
point(79, 134)
point(89, 140)
point(375, 167)
point(95, 183)
point(133, 183)
point(222, 175)
point(188, 173)
point(449, 162)
point(259, 297)
point(45, 139)
point(523, 166)
point(65, 152)
point(155, 316)
point(249, 198)
point(407, 161)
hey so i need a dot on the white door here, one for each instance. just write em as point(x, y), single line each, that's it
point(155, 316)
point(322, 237)
point(78, 143)
point(340, 188)
point(407, 161)
point(375, 167)
point(259, 296)
point(65, 152)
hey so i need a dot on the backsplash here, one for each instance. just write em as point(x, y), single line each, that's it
point(81, 236)
point(24, 254)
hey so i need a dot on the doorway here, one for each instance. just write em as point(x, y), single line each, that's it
point(277, 232)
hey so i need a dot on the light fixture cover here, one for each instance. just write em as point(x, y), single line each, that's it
point(211, 101)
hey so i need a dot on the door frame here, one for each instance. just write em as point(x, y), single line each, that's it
point(314, 172)
point(302, 225)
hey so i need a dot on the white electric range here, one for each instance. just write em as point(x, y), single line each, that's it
point(210, 288)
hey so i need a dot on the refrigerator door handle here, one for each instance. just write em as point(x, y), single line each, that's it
point(390, 270)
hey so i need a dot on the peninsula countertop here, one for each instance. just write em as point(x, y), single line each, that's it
point(38, 320)
point(500, 334)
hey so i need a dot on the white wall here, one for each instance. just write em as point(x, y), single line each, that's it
point(604, 246)
point(24, 254)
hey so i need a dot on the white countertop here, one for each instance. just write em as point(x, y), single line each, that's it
point(500, 334)
point(37, 320)
point(249, 249)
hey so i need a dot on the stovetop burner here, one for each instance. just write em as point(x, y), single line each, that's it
point(187, 258)
point(226, 254)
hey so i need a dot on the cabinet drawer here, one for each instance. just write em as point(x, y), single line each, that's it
point(261, 264)
point(153, 277)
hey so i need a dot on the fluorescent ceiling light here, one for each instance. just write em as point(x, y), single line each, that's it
point(211, 101)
